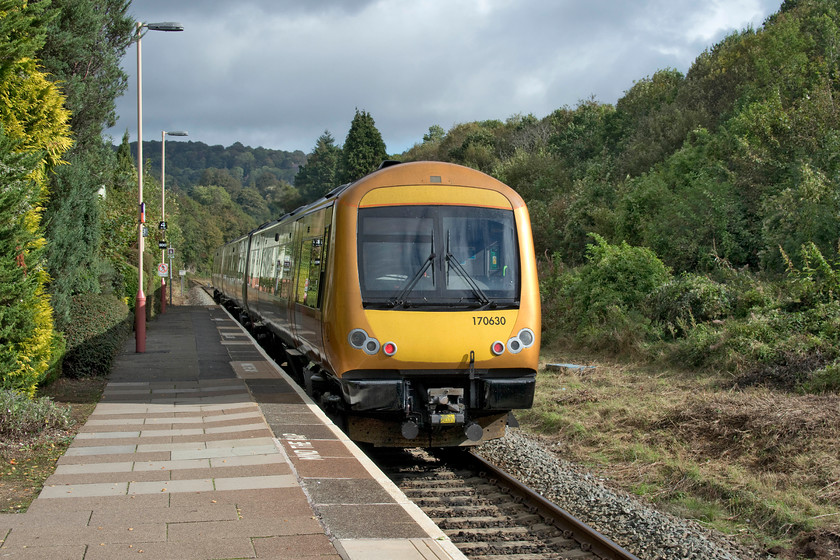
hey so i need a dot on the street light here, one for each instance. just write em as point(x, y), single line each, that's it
point(140, 304)
point(162, 226)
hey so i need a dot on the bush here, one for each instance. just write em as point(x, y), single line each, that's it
point(688, 300)
point(21, 416)
point(600, 303)
point(825, 380)
point(98, 327)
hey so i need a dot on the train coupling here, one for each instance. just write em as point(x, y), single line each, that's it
point(444, 407)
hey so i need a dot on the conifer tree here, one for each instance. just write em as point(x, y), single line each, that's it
point(319, 175)
point(82, 51)
point(364, 149)
point(35, 135)
point(28, 346)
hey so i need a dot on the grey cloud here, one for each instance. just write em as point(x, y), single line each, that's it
point(277, 74)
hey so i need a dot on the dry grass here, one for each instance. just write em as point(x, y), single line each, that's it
point(758, 464)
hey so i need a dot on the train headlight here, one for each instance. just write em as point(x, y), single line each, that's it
point(498, 348)
point(526, 337)
point(371, 346)
point(389, 348)
point(357, 338)
point(360, 340)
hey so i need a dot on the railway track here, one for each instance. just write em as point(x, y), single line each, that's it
point(487, 514)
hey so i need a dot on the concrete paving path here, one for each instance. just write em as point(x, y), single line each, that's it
point(178, 462)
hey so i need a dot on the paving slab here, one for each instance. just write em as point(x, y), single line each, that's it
point(202, 448)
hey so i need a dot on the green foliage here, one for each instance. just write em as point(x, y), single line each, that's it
point(186, 163)
point(687, 300)
point(817, 281)
point(22, 417)
point(74, 230)
point(686, 209)
point(82, 53)
point(825, 380)
point(98, 327)
point(319, 175)
point(34, 136)
point(600, 303)
point(118, 218)
point(27, 343)
point(788, 340)
point(363, 149)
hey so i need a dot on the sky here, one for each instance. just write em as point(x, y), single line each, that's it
point(279, 73)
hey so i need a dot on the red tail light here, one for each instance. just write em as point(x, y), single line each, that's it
point(389, 348)
point(498, 348)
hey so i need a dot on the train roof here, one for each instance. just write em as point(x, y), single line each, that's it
point(397, 174)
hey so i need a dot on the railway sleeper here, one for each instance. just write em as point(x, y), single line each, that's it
point(455, 512)
point(467, 522)
point(510, 547)
point(441, 491)
point(423, 500)
point(528, 519)
point(496, 534)
point(473, 482)
point(523, 556)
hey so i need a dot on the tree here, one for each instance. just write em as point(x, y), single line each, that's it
point(82, 54)
point(35, 135)
point(28, 346)
point(84, 45)
point(363, 149)
point(318, 176)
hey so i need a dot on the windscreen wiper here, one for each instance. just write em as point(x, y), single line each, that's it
point(479, 293)
point(399, 299)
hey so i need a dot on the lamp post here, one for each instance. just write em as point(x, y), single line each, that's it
point(140, 304)
point(162, 226)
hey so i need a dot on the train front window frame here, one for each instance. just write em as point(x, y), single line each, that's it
point(428, 256)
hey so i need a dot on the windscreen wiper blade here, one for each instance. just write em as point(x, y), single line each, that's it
point(399, 299)
point(479, 293)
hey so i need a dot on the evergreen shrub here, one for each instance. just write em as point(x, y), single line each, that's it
point(600, 304)
point(688, 300)
point(98, 327)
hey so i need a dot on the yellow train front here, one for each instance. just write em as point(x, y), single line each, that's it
point(406, 302)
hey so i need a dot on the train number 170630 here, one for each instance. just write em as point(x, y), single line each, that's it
point(488, 321)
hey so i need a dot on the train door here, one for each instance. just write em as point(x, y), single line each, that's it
point(252, 278)
point(312, 245)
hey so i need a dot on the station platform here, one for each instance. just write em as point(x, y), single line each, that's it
point(202, 448)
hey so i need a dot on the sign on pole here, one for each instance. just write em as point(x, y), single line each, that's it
point(163, 269)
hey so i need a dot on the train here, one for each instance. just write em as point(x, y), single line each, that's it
point(406, 303)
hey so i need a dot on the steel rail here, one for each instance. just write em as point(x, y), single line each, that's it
point(583, 533)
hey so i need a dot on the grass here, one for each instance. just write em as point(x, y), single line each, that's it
point(29, 448)
point(757, 464)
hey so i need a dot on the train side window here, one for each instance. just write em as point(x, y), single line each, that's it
point(312, 257)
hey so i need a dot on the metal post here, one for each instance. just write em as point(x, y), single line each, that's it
point(170, 280)
point(140, 304)
point(163, 215)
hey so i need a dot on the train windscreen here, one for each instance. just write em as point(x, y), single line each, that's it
point(438, 256)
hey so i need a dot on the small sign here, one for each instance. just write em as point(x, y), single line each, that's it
point(171, 252)
point(163, 269)
point(182, 272)
point(145, 231)
point(161, 244)
point(162, 226)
